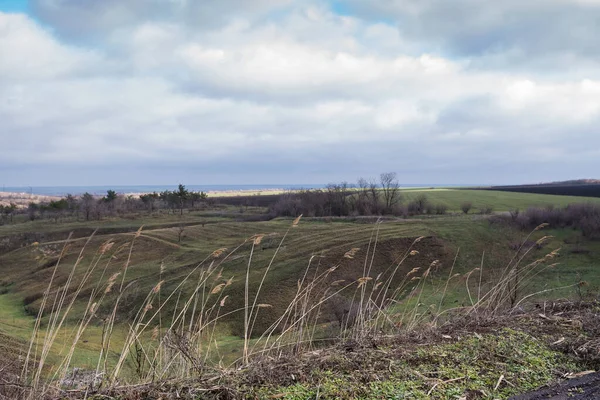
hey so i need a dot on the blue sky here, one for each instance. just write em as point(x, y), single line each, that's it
point(113, 92)
point(19, 6)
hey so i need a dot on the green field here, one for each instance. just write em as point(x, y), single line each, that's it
point(498, 201)
point(457, 242)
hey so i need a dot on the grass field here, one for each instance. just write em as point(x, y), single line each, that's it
point(156, 255)
point(498, 201)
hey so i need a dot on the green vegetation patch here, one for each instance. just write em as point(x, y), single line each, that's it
point(495, 200)
point(488, 366)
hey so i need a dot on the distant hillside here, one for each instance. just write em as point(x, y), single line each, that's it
point(579, 187)
point(573, 182)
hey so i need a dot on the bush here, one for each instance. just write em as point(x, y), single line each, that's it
point(585, 217)
point(418, 205)
point(466, 207)
point(590, 227)
point(429, 209)
point(441, 209)
point(486, 210)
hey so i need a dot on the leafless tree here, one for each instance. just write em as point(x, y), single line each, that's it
point(180, 232)
point(87, 203)
point(374, 191)
point(390, 189)
point(336, 198)
point(362, 205)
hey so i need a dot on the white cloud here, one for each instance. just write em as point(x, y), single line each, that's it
point(324, 94)
point(30, 53)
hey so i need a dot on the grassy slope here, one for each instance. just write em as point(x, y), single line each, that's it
point(22, 275)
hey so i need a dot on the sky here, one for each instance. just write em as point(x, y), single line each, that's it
point(124, 92)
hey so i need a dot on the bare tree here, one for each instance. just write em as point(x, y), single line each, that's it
point(374, 193)
point(390, 189)
point(336, 198)
point(362, 203)
point(87, 203)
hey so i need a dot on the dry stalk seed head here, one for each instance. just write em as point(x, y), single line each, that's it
point(155, 333)
point(551, 255)
point(542, 240)
point(426, 273)
point(414, 253)
point(229, 281)
point(264, 305)
point(217, 253)
point(335, 283)
point(350, 253)
point(157, 287)
point(541, 226)
point(139, 231)
point(257, 238)
point(148, 307)
point(106, 247)
point(363, 281)
point(297, 220)
point(217, 288)
point(413, 271)
point(111, 282)
point(222, 304)
point(417, 240)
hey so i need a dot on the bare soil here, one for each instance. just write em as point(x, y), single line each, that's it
point(586, 387)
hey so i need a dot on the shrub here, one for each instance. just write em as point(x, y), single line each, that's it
point(418, 205)
point(429, 209)
point(590, 227)
point(487, 210)
point(441, 209)
point(585, 217)
point(466, 207)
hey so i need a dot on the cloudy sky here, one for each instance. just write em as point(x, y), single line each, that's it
point(122, 92)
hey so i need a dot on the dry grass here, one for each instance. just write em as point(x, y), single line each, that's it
point(160, 346)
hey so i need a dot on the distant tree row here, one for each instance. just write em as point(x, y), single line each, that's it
point(7, 212)
point(366, 197)
point(88, 206)
point(584, 217)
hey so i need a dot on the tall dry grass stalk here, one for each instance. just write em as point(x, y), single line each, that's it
point(182, 344)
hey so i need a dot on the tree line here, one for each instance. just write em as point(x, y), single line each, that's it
point(365, 198)
point(90, 207)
